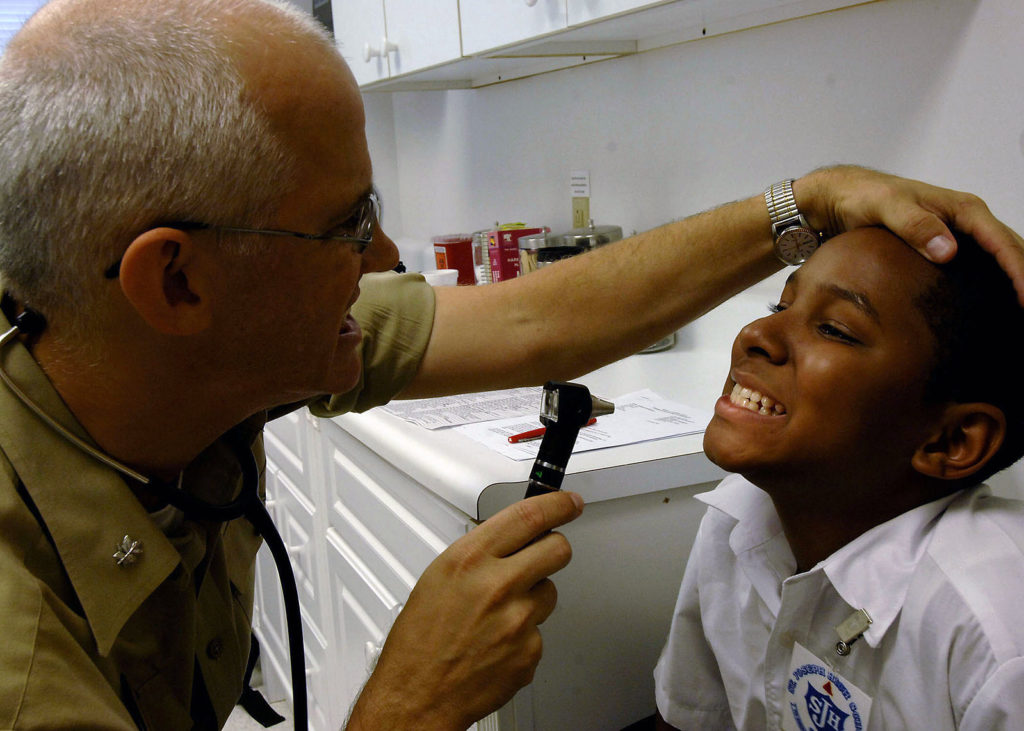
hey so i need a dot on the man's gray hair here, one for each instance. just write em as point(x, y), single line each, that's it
point(122, 120)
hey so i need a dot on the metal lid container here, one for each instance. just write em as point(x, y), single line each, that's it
point(540, 249)
point(591, 236)
point(536, 241)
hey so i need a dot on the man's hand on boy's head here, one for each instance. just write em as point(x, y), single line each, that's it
point(840, 198)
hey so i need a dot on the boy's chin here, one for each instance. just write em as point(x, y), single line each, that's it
point(721, 452)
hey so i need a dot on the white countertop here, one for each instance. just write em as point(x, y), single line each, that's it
point(480, 482)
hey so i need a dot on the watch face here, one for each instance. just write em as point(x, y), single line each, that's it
point(796, 244)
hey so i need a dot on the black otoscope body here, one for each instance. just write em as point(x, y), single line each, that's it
point(565, 409)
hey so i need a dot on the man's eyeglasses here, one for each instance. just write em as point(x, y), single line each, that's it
point(358, 230)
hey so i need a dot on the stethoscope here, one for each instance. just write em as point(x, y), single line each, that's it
point(247, 504)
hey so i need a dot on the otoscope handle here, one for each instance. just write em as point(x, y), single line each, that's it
point(565, 409)
point(549, 467)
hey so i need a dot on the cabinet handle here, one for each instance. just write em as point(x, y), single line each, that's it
point(531, 3)
point(296, 551)
point(380, 51)
point(371, 652)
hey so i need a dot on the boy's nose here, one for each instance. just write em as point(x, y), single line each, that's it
point(763, 338)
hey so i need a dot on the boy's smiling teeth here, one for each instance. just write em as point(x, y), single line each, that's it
point(756, 401)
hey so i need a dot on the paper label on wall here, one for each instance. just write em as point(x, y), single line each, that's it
point(579, 183)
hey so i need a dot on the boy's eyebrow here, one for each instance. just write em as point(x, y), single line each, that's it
point(858, 299)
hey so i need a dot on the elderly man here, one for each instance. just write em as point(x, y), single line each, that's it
point(186, 198)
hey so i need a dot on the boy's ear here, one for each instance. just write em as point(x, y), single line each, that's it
point(161, 278)
point(966, 439)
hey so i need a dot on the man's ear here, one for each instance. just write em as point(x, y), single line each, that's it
point(162, 280)
point(967, 438)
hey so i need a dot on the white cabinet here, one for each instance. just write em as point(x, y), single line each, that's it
point(293, 503)
point(425, 33)
point(360, 532)
point(462, 44)
point(382, 531)
point(586, 11)
point(490, 24)
point(358, 29)
point(381, 40)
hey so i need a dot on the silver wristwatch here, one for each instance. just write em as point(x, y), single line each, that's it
point(795, 240)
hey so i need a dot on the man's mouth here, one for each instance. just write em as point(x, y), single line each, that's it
point(756, 401)
point(349, 325)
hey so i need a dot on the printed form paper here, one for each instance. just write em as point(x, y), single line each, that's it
point(642, 416)
point(437, 413)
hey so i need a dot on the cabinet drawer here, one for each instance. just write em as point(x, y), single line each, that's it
point(395, 524)
point(366, 609)
point(286, 442)
point(294, 517)
point(320, 681)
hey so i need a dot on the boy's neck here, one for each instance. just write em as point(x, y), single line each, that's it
point(818, 522)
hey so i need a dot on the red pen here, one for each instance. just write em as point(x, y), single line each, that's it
point(535, 434)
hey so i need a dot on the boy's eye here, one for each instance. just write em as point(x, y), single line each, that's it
point(826, 328)
point(831, 331)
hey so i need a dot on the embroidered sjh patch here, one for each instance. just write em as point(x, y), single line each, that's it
point(820, 699)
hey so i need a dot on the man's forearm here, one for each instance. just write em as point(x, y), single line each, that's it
point(585, 312)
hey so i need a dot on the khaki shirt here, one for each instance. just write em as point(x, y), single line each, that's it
point(89, 643)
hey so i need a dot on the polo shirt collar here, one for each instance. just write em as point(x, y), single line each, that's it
point(892, 550)
point(86, 507)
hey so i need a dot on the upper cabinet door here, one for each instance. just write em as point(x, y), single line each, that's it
point(489, 24)
point(360, 33)
point(423, 33)
point(584, 11)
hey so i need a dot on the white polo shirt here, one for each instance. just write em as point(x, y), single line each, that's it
point(943, 584)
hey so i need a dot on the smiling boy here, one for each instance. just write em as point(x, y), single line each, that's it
point(853, 574)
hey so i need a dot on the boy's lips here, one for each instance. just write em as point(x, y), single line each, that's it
point(756, 401)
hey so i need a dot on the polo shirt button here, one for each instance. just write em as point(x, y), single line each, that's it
point(215, 648)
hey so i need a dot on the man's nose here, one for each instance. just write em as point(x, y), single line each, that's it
point(381, 255)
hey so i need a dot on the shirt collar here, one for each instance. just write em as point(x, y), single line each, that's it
point(756, 538)
point(86, 507)
point(892, 550)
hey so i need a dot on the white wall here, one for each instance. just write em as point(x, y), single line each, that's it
point(929, 89)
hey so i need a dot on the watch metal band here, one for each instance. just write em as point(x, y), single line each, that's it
point(782, 205)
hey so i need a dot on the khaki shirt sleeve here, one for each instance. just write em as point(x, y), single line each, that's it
point(396, 313)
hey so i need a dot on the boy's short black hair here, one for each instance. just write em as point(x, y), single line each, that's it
point(972, 310)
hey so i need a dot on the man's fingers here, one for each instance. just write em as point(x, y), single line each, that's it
point(544, 596)
point(999, 240)
point(521, 523)
point(928, 233)
point(540, 559)
point(922, 215)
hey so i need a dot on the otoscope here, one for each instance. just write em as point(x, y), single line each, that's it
point(565, 408)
